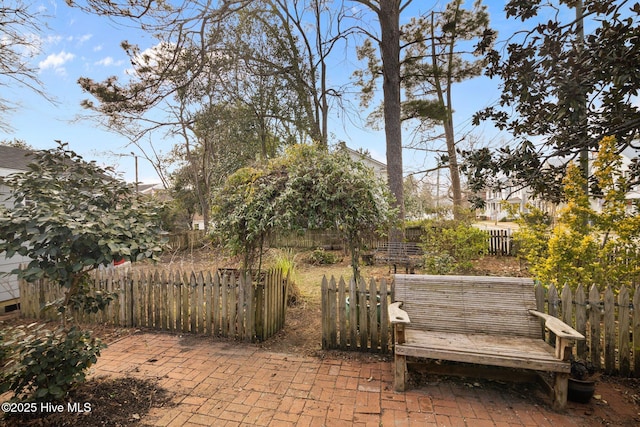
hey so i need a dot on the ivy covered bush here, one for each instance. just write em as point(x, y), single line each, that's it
point(307, 188)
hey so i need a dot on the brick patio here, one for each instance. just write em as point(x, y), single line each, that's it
point(230, 384)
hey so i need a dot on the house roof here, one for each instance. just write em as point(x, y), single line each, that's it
point(15, 158)
point(363, 157)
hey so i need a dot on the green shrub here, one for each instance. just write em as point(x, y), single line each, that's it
point(43, 365)
point(286, 261)
point(450, 246)
point(322, 257)
point(439, 264)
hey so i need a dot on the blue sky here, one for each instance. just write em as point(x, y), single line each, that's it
point(80, 45)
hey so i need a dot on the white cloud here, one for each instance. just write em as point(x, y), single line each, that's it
point(151, 57)
point(56, 62)
point(53, 39)
point(97, 48)
point(84, 38)
point(109, 61)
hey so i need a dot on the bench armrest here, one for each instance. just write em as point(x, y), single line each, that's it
point(397, 315)
point(565, 334)
point(557, 326)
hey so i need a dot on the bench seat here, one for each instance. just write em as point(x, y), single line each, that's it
point(478, 320)
point(505, 351)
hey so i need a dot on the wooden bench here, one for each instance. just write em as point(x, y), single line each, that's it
point(407, 254)
point(488, 321)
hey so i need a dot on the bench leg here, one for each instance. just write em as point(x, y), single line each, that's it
point(560, 390)
point(400, 374)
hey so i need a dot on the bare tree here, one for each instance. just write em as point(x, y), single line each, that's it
point(20, 28)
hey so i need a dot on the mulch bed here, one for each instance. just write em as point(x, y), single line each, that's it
point(113, 402)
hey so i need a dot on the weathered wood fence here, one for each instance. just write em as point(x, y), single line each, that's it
point(611, 323)
point(187, 240)
point(354, 315)
point(220, 303)
point(500, 243)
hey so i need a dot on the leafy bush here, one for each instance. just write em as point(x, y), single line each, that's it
point(69, 217)
point(450, 246)
point(439, 264)
point(286, 262)
point(43, 365)
point(585, 246)
point(322, 257)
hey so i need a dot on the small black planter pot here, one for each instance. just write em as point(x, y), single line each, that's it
point(581, 391)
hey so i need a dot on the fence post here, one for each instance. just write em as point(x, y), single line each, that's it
point(353, 314)
point(609, 332)
point(374, 314)
point(594, 322)
point(342, 313)
point(623, 331)
point(553, 309)
point(384, 316)
point(636, 332)
point(581, 321)
point(259, 310)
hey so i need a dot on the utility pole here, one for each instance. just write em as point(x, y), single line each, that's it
point(136, 163)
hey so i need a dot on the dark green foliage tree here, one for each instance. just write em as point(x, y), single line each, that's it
point(562, 91)
point(71, 217)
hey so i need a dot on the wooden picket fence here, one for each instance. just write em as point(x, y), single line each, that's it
point(500, 243)
point(355, 315)
point(221, 303)
point(610, 323)
point(187, 240)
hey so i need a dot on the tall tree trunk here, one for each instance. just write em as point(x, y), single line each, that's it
point(389, 16)
point(444, 98)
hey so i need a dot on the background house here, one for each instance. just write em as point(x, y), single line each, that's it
point(521, 198)
point(379, 168)
point(12, 160)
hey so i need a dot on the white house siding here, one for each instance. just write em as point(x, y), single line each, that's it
point(8, 282)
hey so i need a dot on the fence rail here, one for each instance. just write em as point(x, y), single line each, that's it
point(219, 303)
point(610, 323)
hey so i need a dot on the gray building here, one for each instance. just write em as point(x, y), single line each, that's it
point(12, 160)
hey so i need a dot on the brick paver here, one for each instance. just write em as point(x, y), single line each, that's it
point(221, 383)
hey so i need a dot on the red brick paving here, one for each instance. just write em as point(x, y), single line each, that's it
point(230, 384)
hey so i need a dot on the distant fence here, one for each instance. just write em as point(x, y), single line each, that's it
point(500, 243)
point(354, 315)
point(611, 324)
point(187, 240)
point(221, 303)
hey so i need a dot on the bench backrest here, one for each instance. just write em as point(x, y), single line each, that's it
point(400, 248)
point(469, 304)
